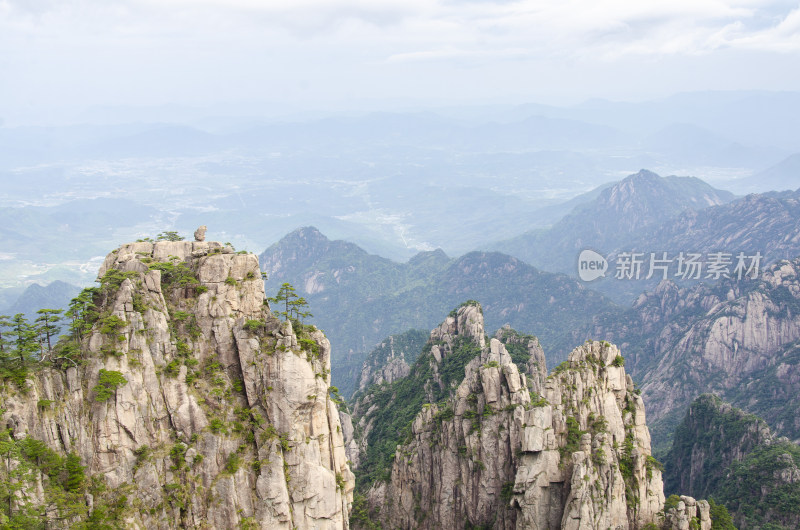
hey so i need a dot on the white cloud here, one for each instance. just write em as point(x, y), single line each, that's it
point(453, 53)
point(782, 37)
point(607, 29)
point(144, 50)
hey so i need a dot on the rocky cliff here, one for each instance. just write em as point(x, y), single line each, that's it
point(392, 358)
point(738, 339)
point(746, 332)
point(484, 449)
point(181, 401)
point(732, 456)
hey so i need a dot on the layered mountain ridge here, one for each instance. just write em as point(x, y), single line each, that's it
point(360, 298)
point(616, 215)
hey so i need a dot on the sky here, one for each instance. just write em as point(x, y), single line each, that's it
point(60, 56)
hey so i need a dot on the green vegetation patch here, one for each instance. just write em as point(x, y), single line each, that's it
point(107, 384)
point(516, 344)
point(65, 486)
point(175, 274)
point(755, 494)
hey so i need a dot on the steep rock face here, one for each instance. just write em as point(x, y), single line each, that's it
point(738, 339)
point(431, 378)
point(527, 354)
point(223, 417)
point(392, 358)
point(495, 453)
point(735, 339)
point(592, 449)
point(351, 447)
point(722, 452)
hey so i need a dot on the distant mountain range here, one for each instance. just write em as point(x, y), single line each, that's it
point(55, 295)
point(362, 298)
point(648, 214)
point(768, 223)
point(785, 175)
point(69, 230)
point(618, 214)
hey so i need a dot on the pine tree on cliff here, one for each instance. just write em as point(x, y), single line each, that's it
point(293, 304)
point(48, 325)
point(25, 338)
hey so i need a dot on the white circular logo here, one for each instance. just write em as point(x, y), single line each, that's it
point(591, 265)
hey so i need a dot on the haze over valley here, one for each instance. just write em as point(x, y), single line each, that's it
point(458, 178)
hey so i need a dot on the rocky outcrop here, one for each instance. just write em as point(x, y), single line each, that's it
point(351, 447)
point(597, 459)
point(428, 380)
point(392, 358)
point(527, 353)
point(189, 399)
point(494, 453)
point(687, 513)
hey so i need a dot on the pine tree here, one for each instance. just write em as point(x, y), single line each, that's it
point(48, 325)
point(25, 338)
point(7, 356)
point(75, 475)
point(169, 235)
point(293, 304)
point(285, 295)
point(297, 307)
point(5, 323)
point(82, 311)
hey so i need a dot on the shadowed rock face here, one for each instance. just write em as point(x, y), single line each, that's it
point(722, 452)
point(576, 454)
point(224, 418)
point(711, 437)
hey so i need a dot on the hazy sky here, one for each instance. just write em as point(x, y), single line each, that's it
point(57, 54)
